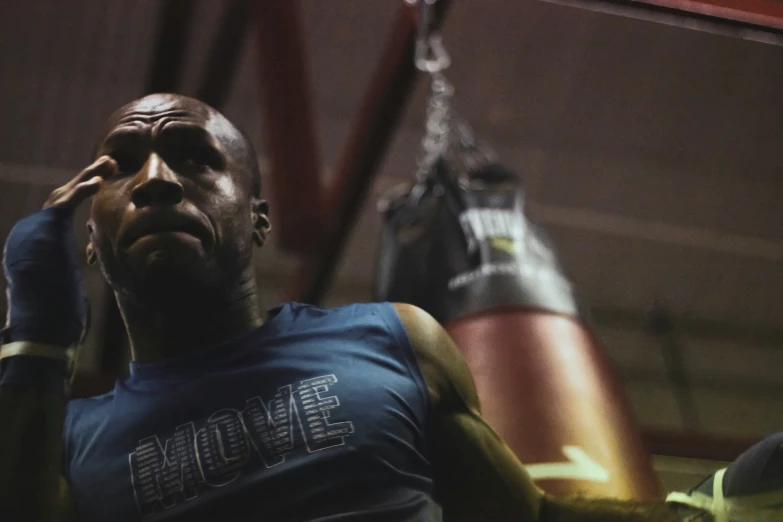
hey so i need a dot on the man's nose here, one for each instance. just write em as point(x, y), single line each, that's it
point(157, 185)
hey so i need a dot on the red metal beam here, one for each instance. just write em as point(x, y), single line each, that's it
point(288, 124)
point(383, 104)
point(758, 20)
point(765, 13)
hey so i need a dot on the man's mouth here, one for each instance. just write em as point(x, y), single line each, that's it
point(167, 223)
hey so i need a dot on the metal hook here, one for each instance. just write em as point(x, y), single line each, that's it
point(430, 54)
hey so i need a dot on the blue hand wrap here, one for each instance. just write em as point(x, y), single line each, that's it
point(46, 300)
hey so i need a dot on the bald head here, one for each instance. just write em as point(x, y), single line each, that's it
point(156, 111)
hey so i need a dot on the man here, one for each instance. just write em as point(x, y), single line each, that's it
point(364, 412)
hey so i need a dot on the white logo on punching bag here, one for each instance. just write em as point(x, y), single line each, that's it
point(494, 225)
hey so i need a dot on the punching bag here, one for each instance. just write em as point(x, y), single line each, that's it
point(458, 244)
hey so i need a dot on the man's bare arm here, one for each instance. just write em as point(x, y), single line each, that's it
point(31, 487)
point(477, 476)
point(588, 509)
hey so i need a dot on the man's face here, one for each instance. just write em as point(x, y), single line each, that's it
point(179, 208)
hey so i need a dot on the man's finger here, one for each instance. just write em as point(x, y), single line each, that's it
point(84, 190)
point(73, 196)
point(103, 167)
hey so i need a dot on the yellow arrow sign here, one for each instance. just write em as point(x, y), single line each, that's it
point(579, 467)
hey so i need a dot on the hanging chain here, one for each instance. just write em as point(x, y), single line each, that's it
point(437, 136)
point(431, 58)
point(443, 128)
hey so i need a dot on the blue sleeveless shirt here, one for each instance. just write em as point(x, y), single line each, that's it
point(319, 415)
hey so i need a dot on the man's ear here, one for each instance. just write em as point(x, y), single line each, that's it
point(262, 227)
point(92, 257)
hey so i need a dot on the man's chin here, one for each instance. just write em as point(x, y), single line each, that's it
point(164, 252)
point(162, 269)
point(148, 272)
point(162, 277)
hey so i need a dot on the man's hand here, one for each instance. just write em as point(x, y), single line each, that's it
point(84, 185)
point(47, 304)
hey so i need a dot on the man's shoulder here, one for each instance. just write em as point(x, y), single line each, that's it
point(444, 369)
point(298, 308)
point(428, 338)
point(350, 315)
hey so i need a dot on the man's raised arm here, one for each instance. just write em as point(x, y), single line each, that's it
point(47, 315)
point(477, 477)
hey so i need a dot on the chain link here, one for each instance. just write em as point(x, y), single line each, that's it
point(445, 134)
point(437, 125)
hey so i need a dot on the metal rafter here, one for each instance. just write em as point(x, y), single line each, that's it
point(757, 20)
point(175, 25)
point(223, 60)
point(288, 124)
point(384, 103)
point(764, 13)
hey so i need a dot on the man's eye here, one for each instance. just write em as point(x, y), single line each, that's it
point(196, 161)
point(126, 162)
point(199, 157)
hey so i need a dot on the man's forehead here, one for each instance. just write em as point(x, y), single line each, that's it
point(162, 102)
point(159, 108)
point(151, 108)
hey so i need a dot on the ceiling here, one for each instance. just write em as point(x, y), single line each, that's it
point(651, 153)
